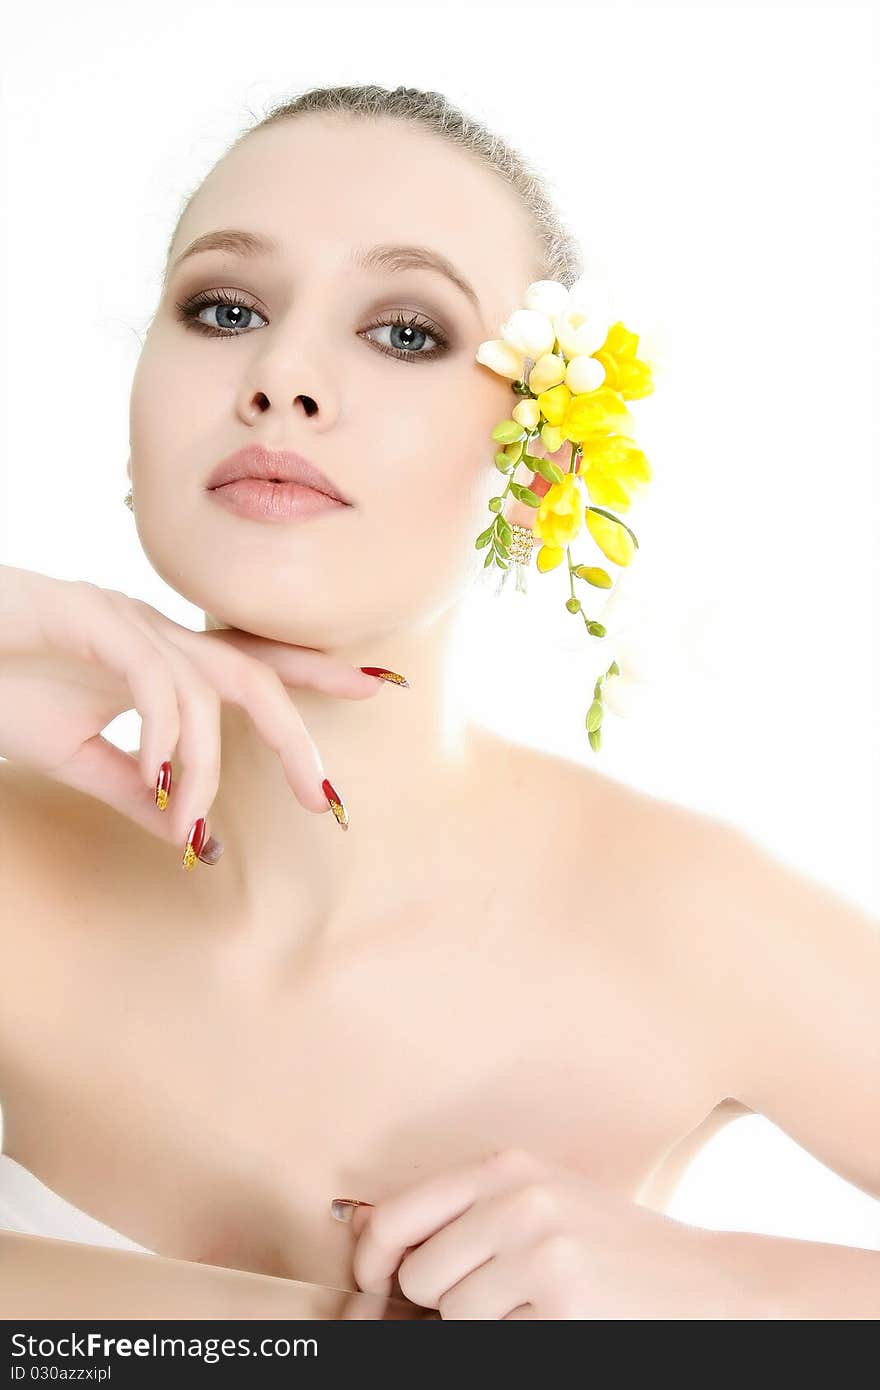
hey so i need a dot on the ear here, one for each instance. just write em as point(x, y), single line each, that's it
point(518, 512)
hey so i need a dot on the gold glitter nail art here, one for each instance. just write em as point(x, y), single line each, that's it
point(336, 805)
point(163, 786)
point(195, 843)
point(384, 674)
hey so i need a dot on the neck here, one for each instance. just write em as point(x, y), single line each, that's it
point(399, 760)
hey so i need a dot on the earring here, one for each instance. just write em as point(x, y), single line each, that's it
point(127, 499)
point(519, 548)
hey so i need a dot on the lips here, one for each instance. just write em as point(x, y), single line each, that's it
point(273, 465)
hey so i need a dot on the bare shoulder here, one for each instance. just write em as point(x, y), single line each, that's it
point(647, 843)
point(40, 820)
point(661, 885)
point(58, 847)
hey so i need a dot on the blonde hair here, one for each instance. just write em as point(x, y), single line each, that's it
point(558, 254)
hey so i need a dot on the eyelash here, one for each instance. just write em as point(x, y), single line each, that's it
point(188, 312)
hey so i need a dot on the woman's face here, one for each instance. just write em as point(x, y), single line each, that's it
point(406, 436)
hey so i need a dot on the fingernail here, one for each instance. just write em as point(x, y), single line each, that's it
point(336, 805)
point(195, 843)
point(163, 786)
point(343, 1208)
point(213, 848)
point(384, 674)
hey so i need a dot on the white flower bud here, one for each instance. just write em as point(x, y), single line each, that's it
point(547, 296)
point(529, 332)
point(584, 373)
point(579, 334)
point(501, 358)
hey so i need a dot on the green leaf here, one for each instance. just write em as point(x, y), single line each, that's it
point(595, 737)
point(546, 467)
point(507, 432)
point(594, 715)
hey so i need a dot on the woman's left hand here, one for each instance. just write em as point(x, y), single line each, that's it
point(516, 1237)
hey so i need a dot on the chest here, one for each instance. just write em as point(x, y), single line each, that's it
point(211, 1109)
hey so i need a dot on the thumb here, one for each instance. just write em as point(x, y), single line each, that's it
point(360, 1217)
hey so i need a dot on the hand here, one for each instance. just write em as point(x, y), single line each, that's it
point(73, 656)
point(516, 1237)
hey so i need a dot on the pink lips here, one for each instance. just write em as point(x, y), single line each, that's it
point(273, 465)
point(263, 500)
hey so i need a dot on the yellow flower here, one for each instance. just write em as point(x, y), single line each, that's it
point(624, 372)
point(559, 518)
point(595, 412)
point(548, 557)
point(612, 538)
point(612, 467)
point(554, 404)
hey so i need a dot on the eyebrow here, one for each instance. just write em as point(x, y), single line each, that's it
point(385, 256)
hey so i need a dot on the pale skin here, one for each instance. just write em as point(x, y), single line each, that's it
point(511, 978)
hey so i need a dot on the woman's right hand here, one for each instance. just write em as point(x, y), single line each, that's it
point(74, 656)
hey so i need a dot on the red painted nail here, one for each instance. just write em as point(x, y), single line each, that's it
point(336, 805)
point(384, 674)
point(163, 786)
point(195, 843)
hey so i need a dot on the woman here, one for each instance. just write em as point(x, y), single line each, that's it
point(504, 1007)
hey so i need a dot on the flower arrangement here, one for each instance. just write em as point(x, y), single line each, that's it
point(574, 369)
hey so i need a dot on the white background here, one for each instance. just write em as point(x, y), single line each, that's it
point(718, 168)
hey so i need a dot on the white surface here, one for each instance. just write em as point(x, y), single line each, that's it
point(30, 1207)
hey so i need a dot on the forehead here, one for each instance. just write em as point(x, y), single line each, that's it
point(322, 186)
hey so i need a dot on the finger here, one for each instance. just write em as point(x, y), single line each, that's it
point(230, 675)
point(261, 693)
point(493, 1291)
point(498, 1221)
point(112, 776)
point(303, 666)
point(258, 690)
point(93, 628)
point(196, 751)
point(412, 1216)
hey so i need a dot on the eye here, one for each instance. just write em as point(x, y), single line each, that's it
point(190, 310)
point(408, 332)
